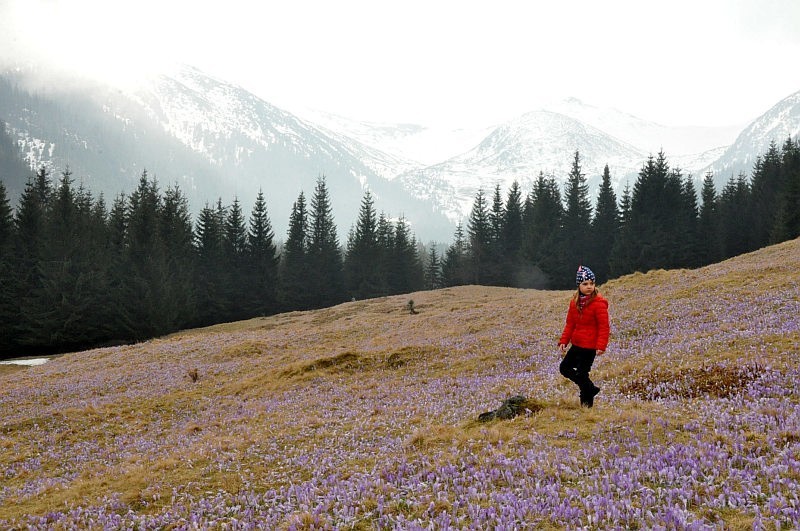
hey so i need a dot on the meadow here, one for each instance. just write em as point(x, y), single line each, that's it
point(364, 416)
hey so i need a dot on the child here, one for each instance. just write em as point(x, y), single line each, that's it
point(587, 329)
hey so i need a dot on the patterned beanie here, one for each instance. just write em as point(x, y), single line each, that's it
point(584, 273)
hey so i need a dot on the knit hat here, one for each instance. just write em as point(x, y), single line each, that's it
point(584, 273)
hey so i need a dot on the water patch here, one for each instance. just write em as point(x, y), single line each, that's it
point(25, 361)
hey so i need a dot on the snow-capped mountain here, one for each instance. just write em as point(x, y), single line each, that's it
point(267, 147)
point(538, 142)
point(779, 123)
point(542, 141)
point(651, 137)
point(212, 138)
point(216, 140)
point(416, 145)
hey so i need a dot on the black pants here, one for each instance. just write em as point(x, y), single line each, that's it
point(576, 366)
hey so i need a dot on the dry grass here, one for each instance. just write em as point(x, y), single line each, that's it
point(366, 388)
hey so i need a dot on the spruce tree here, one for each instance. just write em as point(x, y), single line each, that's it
point(177, 236)
point(455, 270)
point(262, 261)
point(479, 231)
point(212, 303)
point(406, 274)
point(326, 273)
point(621, 257)
point(575, 237)
point(363, 276)
point(511, 262)
point(670, 220)
point(293, 289)
point(433, 270)
point(497, 271)
point(8, 305)
point(647, 237)
point(690, 250)
point(734, 227)
point(29, 243)
point(6, 221)
point(65, 307)
point(120, 315)
point(604, 228)
point(787, 220)
point(385, 236)
point(542, 226)
point(146, 259)
point(708, 229)
point(766, 187)
point(236, 282)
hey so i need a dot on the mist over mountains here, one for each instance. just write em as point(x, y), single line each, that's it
point(218, 141)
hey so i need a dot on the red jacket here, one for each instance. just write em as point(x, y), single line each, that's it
point(589, 328)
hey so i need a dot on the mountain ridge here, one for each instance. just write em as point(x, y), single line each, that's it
point(249, 144)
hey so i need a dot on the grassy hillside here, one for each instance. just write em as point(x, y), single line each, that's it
point(364, 416)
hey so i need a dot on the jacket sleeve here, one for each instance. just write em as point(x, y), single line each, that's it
point(603, 327)
point(569, 327)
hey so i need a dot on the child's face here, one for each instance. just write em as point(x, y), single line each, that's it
point(586, 287)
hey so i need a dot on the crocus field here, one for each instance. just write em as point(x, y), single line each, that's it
point(364, 416)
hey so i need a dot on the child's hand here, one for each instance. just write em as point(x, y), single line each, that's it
point(600, 352)
point(563, 348)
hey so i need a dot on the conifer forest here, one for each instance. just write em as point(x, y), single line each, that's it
point(77, 271)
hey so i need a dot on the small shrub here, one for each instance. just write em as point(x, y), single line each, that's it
point(709, 380)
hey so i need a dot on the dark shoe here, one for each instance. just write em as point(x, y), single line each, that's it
point(587, 399)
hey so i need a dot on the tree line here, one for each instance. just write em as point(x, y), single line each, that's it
point(78, 273)
point(659, 222)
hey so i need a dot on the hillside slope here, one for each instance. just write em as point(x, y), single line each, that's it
point(364, 416)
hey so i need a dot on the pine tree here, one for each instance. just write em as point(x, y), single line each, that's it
point(455, 271)
point(262, 260)
point(6, 221)
point(326, 278)
point(121, 321)
point(576, 223)
point(670, 223)
point(647, 237)
point(787, 222)
point(479, 232)
point(605, 227)
point(734, 227)
point(690, 246)
point(497, 270)
point(766, 186)
point(65, 307)
point(30, 221)
point(385, 237)
point(363, 276)
point(209, 241)
point(235, 234)
point(433, 270)
point(622, 254)
point(29, 243)
point(235, 280)
point(406, 274)
point(708, 229)
point(177, 234)
point(541, 233)
point(8, 305)
point(293, 290)
point(512, 267)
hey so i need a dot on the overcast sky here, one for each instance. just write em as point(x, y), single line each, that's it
point(695, 62)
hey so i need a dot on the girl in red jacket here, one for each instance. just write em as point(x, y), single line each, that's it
point(587, 329)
